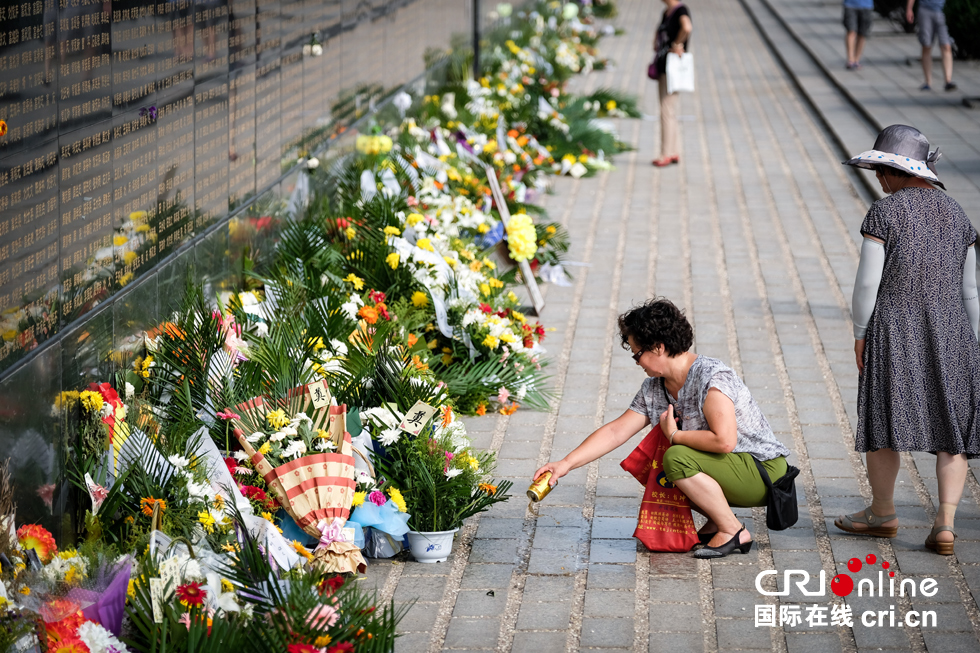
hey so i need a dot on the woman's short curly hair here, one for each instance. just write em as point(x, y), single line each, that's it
point(656, 322)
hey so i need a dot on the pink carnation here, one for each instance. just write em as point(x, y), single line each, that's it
point(502, 395)
point(377, 498)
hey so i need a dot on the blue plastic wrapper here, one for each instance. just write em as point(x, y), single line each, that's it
point(491, 238)
point(386, 518)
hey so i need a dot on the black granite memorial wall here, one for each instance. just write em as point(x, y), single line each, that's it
point(141, 139)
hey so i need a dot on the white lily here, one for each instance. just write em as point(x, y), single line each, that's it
point(220, 600)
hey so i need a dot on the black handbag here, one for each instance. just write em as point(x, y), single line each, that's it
point(781, 509)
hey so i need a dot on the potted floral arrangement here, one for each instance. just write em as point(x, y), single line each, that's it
point(443, 481)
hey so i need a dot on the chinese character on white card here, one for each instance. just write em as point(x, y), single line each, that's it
point(156, 598)
point(417, 417)
point(320, 394)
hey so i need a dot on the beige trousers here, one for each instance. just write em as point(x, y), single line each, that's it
point(668, 119)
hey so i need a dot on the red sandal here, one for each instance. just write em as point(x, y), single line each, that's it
point(666, 161)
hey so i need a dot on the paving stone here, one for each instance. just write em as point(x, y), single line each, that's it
point(421, 588)
point(613, 551)
point(675, 617)
point(539, 642)
point(741, 634)
point(544, 561)
point(608, 576)
point(413, 643)
point(504, 551)
point(674, 642)
point(561, 538)
point(737, 604)
point(607, 633)
point(498, 528)
point(544, 616)
point(951, 642)
point(484, 576)
point(609, 603)
point(472, 633)
point(419, 618)
point(815, 642)
point(613, 527)
point(551, 589)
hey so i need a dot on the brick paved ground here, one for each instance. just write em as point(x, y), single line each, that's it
point(755, 234)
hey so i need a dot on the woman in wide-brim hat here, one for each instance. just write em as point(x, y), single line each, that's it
point(916, 313)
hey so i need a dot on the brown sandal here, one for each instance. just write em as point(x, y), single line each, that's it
point(871, 520)
point(942, 548)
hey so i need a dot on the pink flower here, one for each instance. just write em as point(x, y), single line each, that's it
point(227, 414)
point(46, 492)
point(412, 201)
point(377, 498)
point(503, 394)
point(322, 617)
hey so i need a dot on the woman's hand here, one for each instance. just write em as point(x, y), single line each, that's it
point(677, 48)
point(667, 421)
point(859, 355)
point(558, 469)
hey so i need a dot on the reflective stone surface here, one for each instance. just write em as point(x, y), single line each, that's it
point(132, 134)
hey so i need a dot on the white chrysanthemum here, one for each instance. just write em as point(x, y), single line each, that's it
point(178, 461)
point(295, 449)
point(98, 639)
point(129, 390)
point(191, 570)
point(389, 437)
point(198, 490)
point(240, 456)
point(255, 437)
point(339, 347)
point(453, 473)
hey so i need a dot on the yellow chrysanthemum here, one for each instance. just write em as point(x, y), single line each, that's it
point(91, 401)
point(397, 499)
point(392, 260)
point(426, 244)
point(277, 418)
point(414, 218)
point(491, 342)
point(419, 299)
point(392, 231)
point(265, 448)
point(521, 237)
point(358, 498)
point(483, 227)
point(485, 289)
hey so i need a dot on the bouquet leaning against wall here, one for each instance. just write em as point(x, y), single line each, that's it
point(305, 455)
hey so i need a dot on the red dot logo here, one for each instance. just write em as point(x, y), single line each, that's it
point(870, 558)
point(842, 585)
point(854, 565)
point(885, 565)
point(892, 574)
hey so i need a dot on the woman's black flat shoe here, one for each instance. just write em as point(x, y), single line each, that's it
point(725, 549)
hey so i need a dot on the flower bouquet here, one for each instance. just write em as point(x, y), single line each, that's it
point(315, 489)
point(443, 479)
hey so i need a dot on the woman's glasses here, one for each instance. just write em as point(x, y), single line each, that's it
point(638, 355)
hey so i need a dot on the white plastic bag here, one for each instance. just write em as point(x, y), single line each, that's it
point(680, 73)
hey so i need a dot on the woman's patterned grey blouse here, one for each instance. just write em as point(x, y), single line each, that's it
point(755, 436)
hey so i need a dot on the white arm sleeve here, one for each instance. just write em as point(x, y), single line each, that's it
point(866, 285)
point(970, 300)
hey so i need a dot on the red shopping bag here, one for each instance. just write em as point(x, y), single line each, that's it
point(665, 522)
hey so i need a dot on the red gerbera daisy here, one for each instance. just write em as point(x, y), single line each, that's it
point(191, 594)
point(302, 648)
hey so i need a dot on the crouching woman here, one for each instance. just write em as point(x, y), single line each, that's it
point(714, 426)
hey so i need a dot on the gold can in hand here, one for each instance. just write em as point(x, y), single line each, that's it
point(540, 488)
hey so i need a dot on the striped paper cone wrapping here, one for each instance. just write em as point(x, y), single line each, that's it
point(315, 487)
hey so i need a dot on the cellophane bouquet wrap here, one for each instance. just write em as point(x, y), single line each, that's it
point(305, 455)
